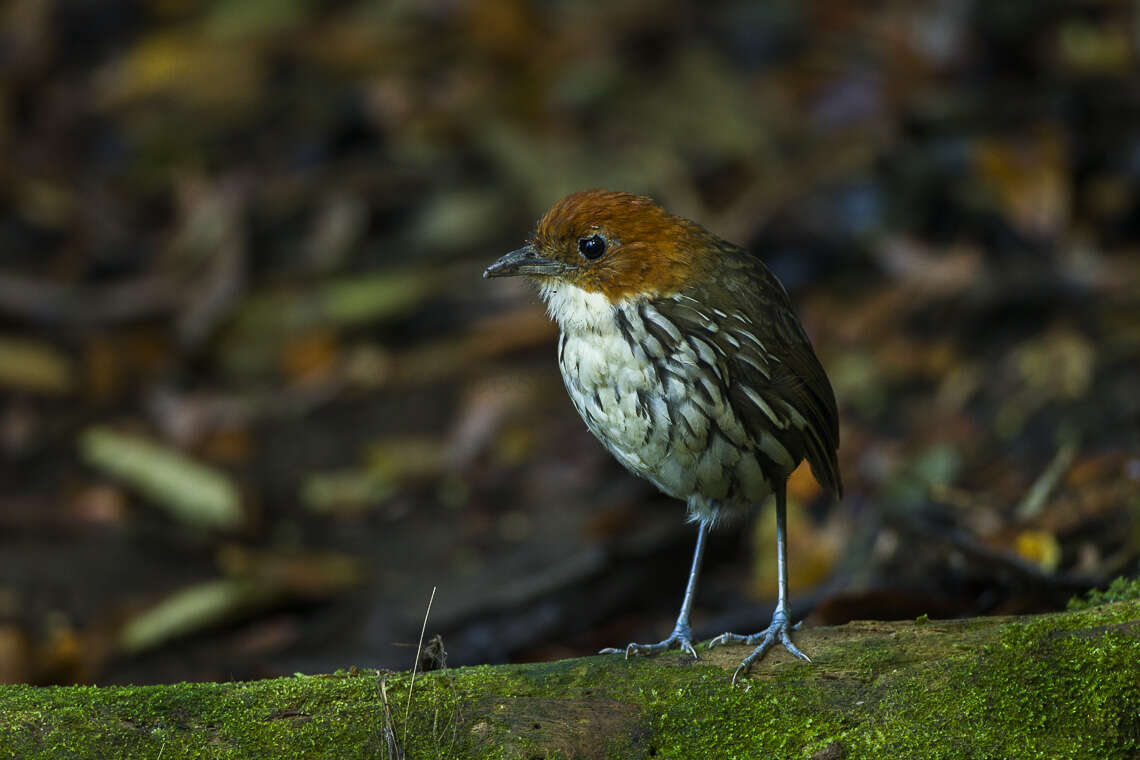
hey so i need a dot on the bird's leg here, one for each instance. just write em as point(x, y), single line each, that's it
point(779, 629)
point(682, 635)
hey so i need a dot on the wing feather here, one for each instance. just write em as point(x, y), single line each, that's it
point(775, 382)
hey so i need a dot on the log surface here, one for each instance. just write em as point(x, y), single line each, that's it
point(1059, 685)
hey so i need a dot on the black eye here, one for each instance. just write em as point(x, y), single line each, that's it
point(592, 247)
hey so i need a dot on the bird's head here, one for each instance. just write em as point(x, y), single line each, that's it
point(615, 245)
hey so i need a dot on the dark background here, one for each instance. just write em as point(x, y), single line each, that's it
point(256, 401)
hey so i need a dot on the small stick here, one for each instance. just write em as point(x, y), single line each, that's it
point(415, 664)
point(395, 751)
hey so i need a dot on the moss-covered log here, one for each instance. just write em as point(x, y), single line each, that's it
point(1051, 686)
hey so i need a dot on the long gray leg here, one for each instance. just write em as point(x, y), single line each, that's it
point(780, 627)
point(682, 635)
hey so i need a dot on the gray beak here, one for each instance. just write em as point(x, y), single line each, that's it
point(525, 261)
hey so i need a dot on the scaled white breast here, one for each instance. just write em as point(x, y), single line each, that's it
point(637, 399)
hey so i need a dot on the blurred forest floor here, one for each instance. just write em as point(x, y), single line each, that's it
point(256, 401)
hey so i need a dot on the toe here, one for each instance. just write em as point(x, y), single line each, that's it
point(673, 642)
point(787, 642)
point(727, 638)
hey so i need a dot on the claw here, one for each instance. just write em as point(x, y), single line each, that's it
point(776, 632)
point(679, 639)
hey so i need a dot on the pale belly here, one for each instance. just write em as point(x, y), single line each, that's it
point(663, 415)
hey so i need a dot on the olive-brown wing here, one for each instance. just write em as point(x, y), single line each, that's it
point(774, 380)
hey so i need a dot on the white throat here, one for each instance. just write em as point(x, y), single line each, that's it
point(576, 310)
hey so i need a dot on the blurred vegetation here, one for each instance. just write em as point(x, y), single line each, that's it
point(255, 400)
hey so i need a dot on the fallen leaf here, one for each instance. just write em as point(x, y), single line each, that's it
point(192, 492)
point(193, 609)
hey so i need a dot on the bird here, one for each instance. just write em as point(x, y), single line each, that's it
point(684, 357)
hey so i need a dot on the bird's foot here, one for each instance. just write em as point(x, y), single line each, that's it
point(778, 631)
point(681, 638)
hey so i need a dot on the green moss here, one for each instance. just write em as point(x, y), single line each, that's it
point(1119, 590)
point(233, 720)
point(1032, 694)
point(1056, 686)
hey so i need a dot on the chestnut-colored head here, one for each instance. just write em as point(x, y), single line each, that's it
point(616, 244)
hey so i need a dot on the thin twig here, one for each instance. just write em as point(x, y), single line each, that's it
point(415, 664)
point(395, 751)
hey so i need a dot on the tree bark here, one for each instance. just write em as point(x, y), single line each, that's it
point(1063, 685)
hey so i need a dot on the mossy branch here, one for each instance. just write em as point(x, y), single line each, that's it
point(1058, 685)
